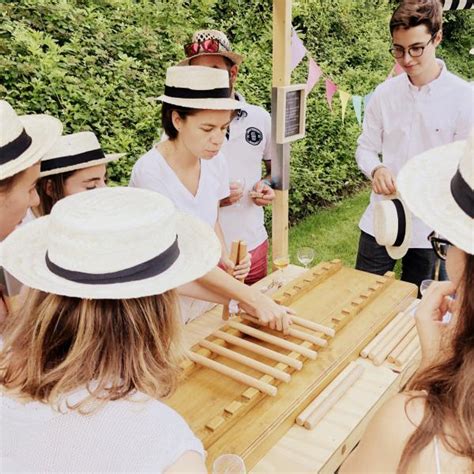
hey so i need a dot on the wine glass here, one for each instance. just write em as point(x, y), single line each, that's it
point(305, 255)
point(240, 182)
point(229, 464)
point(280, 262)
point(424, 286)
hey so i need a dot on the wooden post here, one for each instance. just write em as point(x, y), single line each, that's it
point(280, 162)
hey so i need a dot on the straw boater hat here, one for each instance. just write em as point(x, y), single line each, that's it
point(24, 139)
point(392, 225)
point(199, 87)
point(438, 187)
point(74, 152)
point(111, 243)
point(224, 48)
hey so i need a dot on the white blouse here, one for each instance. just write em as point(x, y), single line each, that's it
point(135, 435)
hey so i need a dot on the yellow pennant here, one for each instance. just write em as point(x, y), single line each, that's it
point(345, 96)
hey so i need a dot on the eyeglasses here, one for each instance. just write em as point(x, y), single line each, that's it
point(440, 246)
point(210, 45)
point(415, 51)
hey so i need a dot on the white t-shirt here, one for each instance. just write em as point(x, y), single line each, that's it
point(152, 172)
point(124, 436)
point(249, 143)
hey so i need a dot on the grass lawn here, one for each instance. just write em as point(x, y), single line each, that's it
point(332, 232)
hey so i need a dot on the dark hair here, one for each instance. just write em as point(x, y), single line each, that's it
point(411, 13)
point(56, 191)
point(448, 386)
point(166, 117)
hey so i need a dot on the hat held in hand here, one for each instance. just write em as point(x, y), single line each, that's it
point(392, 225)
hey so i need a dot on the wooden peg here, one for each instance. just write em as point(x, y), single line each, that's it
point(263, 351)
point(310, 417)
point(247, 361)
point(276, 341)
point(393, 356)
point(318, 341)
point(313, 326)
point(238, 252)
point(233, 374)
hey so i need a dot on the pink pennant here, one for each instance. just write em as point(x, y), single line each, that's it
point(331, 89)
point(298, 50)
point(314, 73)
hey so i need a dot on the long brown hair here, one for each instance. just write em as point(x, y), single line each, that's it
point(56, 345)
point(448, 387)
point(50, 190)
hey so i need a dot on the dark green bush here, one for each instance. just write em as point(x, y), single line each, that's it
point(97, 65)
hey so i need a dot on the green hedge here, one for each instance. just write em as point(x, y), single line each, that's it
point(97, 65)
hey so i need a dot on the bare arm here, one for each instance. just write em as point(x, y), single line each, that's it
point(190, 461)
point(250, 299)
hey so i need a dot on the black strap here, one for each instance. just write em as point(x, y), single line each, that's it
point(185, 93)
point(142, 271)
point(462, 194)
point(402, 222)
point(15, 148)
point(66, 161)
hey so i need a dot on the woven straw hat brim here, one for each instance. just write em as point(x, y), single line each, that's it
point(107, 159)
point(401, 250)
point(25, 249)
point(234, 57)
point(204, 104)
point(425, 184)
point(44, 130)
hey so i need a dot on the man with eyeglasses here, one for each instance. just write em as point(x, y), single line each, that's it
point(248, 145)
point(425, 107)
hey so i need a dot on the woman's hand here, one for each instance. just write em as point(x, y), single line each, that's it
point(269, 313)
point(239, 271)
point(435, 304)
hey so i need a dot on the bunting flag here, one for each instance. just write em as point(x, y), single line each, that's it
point(357, 104)
point(331, 89)
point(344, 96)
point(314, 73)
point(367, 100)
point(298, 49)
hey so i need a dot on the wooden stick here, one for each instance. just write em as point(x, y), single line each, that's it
point(248, 361)
point(335, 393)
point(314, 326)
point(403, 343)
point(233, 374)
point(263, 351)
point(318, 341)
point(408, 352)
point(234, 257)
point(390, 344)
point(382, 342)
point(387, 329)
point(276, 341)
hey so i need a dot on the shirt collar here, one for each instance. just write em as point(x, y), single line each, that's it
point(435, 83)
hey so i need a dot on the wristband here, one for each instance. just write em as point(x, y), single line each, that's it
point(268, 182)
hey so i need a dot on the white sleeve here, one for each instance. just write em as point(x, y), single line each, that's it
point(144, 177)
point(465, 118)
point(369, 143)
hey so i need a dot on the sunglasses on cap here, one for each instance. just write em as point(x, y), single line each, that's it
point(440, 246)
point(211, 45)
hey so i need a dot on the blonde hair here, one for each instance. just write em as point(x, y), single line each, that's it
point(55, 345)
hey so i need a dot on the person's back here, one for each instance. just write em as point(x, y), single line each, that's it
point(137, 435)
point(98, 341)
